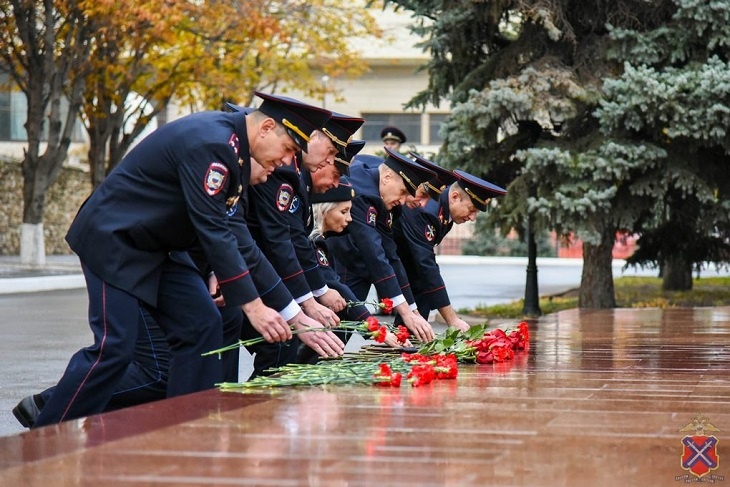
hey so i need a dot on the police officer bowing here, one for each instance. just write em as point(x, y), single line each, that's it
point(368, 255)
point(459, 196)
point(173, 189)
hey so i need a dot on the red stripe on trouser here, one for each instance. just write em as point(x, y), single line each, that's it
point(98, 358)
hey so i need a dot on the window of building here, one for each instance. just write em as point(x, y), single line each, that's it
point(14, 111)
point(435, 121)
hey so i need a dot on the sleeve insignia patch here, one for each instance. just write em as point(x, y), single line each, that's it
point(234, 143)
point(371, 216)
point(322, 258)
point(429, 232)
point(284, 197)
point(215, 178)
point(294, 204)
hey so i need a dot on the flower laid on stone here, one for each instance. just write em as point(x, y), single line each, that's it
point(385, 377)
point(361, 368)
point(481, 345)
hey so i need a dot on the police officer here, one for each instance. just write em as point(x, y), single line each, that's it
point(393, 138)
point(279, 216)
point(272, 290)
point(331, 216)
point(367, 255)
point(419, 230)
point(146, 376)
point(173, 188)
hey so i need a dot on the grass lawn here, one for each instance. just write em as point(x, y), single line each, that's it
point(631, 292)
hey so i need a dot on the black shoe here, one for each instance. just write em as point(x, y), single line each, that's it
point(27, 411)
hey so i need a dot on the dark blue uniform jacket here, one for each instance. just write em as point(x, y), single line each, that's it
point(416, 233)
point(328, 268)
point(368, 251)
point(280, 219)
point(173, 189)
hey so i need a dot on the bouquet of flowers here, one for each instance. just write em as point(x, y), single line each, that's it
point(480, 345)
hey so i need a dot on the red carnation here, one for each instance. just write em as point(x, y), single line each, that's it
point(402, 334)
point(373, 323)
point(386, 304)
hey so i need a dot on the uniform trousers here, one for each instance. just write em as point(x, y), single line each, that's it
point(145, 379)
point(186, 315)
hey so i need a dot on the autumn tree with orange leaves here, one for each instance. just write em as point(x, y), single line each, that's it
point(120, 63)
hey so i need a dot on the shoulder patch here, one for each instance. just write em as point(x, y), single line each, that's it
point(215, 178)
point(322, 258)
point(234, 143)
point(371, 216)
point(294, 206)
point(429, 232)
point(284, 197)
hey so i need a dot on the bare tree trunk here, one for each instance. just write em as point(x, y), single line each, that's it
point(596, 285)
point(97, 157)
point(46, 64)
point(677, 275)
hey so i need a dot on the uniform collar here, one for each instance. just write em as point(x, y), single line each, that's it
point(444, 213)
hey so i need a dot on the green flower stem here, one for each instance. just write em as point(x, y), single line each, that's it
point(360, 370)
point(254, 341)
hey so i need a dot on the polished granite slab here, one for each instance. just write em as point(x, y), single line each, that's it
point(598, 399)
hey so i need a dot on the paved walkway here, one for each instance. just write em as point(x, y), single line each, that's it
point(60, 272)
point(602, 398)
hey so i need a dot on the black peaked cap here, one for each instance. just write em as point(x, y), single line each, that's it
point(343, 192)
point(392, 133)
point(479, 190)
point(343, 163)
point(299, 119)
point(413, 173)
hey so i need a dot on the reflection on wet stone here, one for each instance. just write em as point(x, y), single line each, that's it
point(598, 400)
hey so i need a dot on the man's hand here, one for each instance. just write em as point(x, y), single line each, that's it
point(324, 343)
point(215, 291)
point(333, 300)
point(392, 341)
point(319, 313)
point(267, 321)
point(420, 328)
point(452, 319)
point(459, 324)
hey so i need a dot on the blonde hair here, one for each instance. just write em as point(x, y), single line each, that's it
point(319, 210)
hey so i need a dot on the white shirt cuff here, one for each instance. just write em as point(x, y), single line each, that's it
point(398, 300)
point(301, 299)
point(290, 311)
point(321, 291)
